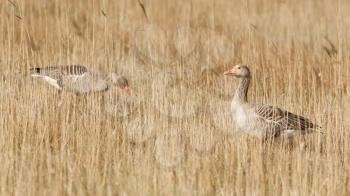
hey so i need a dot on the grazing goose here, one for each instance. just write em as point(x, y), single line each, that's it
point(261, 120)
point(79, 79)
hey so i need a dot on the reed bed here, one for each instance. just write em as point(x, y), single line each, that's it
point(175, 135)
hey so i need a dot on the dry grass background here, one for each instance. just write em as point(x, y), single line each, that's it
point(175, 135)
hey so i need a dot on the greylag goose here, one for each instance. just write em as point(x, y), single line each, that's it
point(262, 120)
point(79, 78)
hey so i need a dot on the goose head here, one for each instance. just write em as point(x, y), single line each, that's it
point(120, 81)
point(239, 71)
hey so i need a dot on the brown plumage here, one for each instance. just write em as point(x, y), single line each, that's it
point(63, 70)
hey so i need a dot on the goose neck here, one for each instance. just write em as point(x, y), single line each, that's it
point(241, 93)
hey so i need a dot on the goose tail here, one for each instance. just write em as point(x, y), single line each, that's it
point(36, 72)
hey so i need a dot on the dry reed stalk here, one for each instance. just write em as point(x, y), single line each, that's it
point(175, 136)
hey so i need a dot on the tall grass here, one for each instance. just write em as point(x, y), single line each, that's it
point(175, 136)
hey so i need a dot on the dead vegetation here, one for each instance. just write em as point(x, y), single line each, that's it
point(175, 135)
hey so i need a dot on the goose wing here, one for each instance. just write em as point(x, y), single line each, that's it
point(54, 74)
point(82, 80)
point(272, 118)
point(57, 72)
point(283, 119)
point(297, 122)
point(77, 78)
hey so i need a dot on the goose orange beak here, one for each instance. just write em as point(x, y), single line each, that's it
point(127, 90)
point(230, 72)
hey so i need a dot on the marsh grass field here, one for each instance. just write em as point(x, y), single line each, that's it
point(175, 135)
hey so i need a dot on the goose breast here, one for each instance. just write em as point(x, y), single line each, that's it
point(246, 120)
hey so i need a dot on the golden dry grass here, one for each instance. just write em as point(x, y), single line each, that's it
point(175, 135)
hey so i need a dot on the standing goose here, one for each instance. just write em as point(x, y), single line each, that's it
point(262, 120)
point(79, 79)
